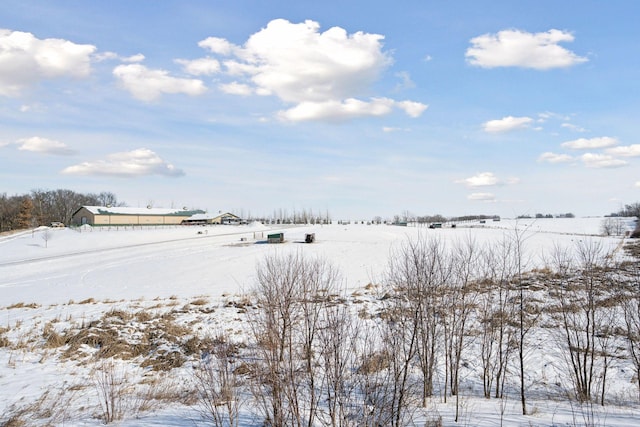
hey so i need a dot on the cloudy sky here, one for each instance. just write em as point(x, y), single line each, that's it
point(358, 108)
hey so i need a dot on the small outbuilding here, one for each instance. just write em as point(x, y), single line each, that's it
point(107, 215)
point(275, 238)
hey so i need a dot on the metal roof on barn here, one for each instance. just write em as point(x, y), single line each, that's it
point(121, 210)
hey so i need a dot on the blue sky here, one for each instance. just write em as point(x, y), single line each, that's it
point(358, 108)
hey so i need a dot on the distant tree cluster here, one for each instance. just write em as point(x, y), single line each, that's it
point(407, 216)
point(473, 217)
point(283, 216)
point(42, 207)
point(611, 224)
point(630, 210)
point(539, 215)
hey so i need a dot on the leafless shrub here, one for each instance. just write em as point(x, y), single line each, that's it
point(584, 294)
point(111, 384)
point(218, 383)
point(286, 327)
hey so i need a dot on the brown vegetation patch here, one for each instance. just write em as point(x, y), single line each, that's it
point(164, 360)
point(200, 301)
point(22, 305)
point(633, 249)
point(159, 340)
point(52, 339)
point(4, 341)
point(374, 363)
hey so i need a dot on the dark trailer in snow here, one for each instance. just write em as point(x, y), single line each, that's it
point(275, 238)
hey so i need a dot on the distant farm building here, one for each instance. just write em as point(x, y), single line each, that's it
point(205, 218)
point(105, 215)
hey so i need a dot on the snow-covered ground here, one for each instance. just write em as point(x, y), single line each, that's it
point(62, 277)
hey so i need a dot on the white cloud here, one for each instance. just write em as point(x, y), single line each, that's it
point(134, 163)
point(298, 63)
point(483, 179)
point(218, 45)
point(483, 197)
point(148, 85)
point(411, 108)
point(35, 107)
point(200, 67)
point(235, 88)
point(25, 60)
point(389, 129)
point(637, 185)
point(573, 127)
point(515, 48)
point(405, 81)
point(625, 151)
point(334, 110)
point(105, 56)
point(138, 57)
point(506, 124)
point(37, 144)
point(512, 180)
point(554, 158)
point(592, 160)
point(544, 116)
point(313, 70)
point(590, 144)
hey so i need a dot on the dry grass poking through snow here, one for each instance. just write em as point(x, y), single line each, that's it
point(123, 355)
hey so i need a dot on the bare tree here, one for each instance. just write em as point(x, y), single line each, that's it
point(496, 314)
point(376, 383)
point(46, 236)
point(400, 341)
point(25, 215)
point(291, 292)
point(339, 339)
point(525, 323)
point(9, 212)
point(581, 293)
point(419, 271)
point(460, 301)
point(218, 384)
point(631, 307)
point(613, 226)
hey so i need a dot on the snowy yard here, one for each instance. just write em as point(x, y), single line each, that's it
point(197, 281)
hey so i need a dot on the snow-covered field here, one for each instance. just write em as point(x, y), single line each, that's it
point(53, 278)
